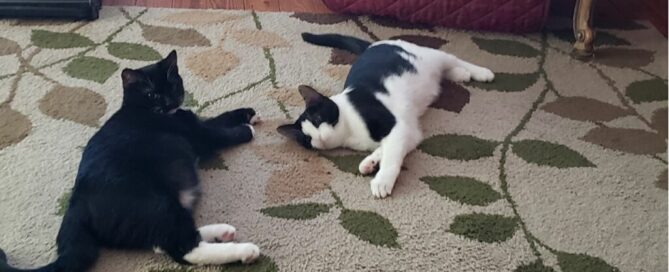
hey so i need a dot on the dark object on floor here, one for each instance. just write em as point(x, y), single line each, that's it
point(76, 9)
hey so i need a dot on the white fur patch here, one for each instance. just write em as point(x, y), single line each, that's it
point(222, 253)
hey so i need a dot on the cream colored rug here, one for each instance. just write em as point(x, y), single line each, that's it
point(559, 165)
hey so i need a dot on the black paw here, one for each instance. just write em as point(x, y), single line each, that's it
point(243, 133)
point(248, 115)
point(3, 256)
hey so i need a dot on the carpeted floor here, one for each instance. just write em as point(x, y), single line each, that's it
point(558, 165)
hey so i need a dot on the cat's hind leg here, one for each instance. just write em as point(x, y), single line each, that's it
point(401, 140)
point(370, 163)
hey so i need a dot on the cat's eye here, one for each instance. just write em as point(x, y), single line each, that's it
point(153, 96)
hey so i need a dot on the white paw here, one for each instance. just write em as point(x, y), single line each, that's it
point(483, 74)
point(256, 119)
point(459, 74)
point(248, 252)
point(253, 130)
point(368, 165)
point(381, 187)
point(218, 233)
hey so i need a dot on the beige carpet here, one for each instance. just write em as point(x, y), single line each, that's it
point(558, 165)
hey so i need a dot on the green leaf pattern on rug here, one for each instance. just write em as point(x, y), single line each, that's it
point(603, 38)
point(549, 154)
point(370, 227)
point(422, 40)
point(506, 47)
point(174, 36)
point(647, 91)
point(346, 163)
point(458, 147)
point(76, 104)
point(215, 163)
point(91, 68)
point(14, 126)
point(190, 101)
point(508, 82)
point(635, 141)
point(8, 47)
point(488, 228)
point(63, 203)
point(262, 264)
point(297, 211)
point(133, 51)
point(584, 109)
point(569, 262)
point(624, 57)
point(58, 40)
point(463, 189)
point(536, 266)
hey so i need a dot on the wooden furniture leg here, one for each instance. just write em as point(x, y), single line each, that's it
point(583, 31)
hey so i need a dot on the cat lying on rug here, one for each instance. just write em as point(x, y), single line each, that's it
point(389, 87)
point(137, 183)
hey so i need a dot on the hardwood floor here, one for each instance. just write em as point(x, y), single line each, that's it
point(652, 10)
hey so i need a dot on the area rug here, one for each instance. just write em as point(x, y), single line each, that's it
point(558, 165)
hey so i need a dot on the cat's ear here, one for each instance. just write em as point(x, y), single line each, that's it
point(170, 64)
point(311, 96)
point(289, 131)
point(130, 76)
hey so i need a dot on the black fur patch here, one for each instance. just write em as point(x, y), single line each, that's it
point(366, 79)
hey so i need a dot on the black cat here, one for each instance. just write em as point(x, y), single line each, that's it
point(137, 181)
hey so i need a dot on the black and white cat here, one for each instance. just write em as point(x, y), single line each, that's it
point(390, 85)
point(137, 181)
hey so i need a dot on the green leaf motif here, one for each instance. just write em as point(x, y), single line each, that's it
point(536, 266)
point(508, 82)
point(91, 68)
point(190, 101)
point(582, 263)
point(215, 163)
point(297, 211)
point(262, 264)
point(506, 47)
point(458, 147)
point(584, 109)
point(58, 40)
point(370, 227)
point(8, 47)
point(133, 51)
point(463, 189)
point(635, 141)
point(549, 154)
point(347, 163)
point(63, 203)
point(174, 36)
point(647, 91)
point(488, 228)
point(602, 39)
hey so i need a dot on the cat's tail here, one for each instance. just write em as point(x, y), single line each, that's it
point(348, 43)
point(78, 252)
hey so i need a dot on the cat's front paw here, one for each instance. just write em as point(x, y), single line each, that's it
point(458, 74)
point(382, 187)
point(483, 74)
point(368, 165)
point(248, 252)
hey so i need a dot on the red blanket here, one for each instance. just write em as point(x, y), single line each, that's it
point(492, 15)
